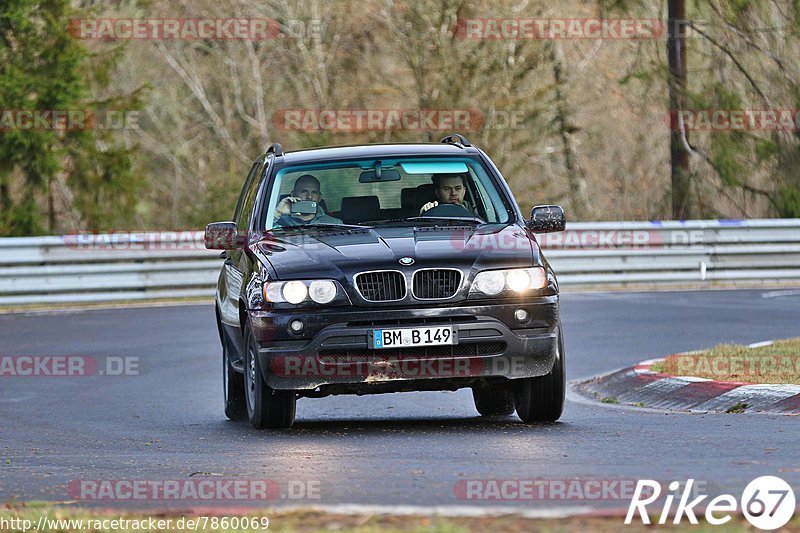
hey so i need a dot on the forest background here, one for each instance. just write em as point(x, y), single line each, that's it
point(589, 123)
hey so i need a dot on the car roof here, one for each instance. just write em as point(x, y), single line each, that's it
point(376, 150)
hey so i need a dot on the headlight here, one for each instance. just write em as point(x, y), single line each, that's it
point(322, 291)
point(490, 282)
point(516, 280)
point(295, 292)
point(316, 291)
point(273, 292)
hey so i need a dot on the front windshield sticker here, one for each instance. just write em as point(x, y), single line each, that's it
point(432, 167)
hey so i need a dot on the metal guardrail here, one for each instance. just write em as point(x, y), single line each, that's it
point(704, 252)
point(142, 266)
point(104, 267)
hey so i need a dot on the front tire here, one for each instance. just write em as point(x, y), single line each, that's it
point(541, 399)
point(266, 407)
point(493, 401)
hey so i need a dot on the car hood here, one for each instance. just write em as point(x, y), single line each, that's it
point(343, 253)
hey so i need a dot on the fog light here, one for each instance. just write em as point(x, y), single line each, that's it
point(521, 315)
point(296, 326)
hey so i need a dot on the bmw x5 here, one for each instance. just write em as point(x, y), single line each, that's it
point(386, 268)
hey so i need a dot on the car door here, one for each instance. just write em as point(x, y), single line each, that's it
point(234, 267)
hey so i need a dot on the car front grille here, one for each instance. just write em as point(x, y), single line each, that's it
point(382, 286)
point(436, 284)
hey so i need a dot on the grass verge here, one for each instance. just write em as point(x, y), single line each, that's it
point(776, 363)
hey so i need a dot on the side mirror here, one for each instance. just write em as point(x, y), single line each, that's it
point(222, 236)
point(547, 219)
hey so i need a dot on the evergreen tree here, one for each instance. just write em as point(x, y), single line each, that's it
point(86, 169)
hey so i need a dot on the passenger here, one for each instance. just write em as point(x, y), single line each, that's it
point(305, 188)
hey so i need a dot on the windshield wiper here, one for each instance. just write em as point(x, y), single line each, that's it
point(320, 226)
point(450, 221)
point(384, 222)
point(455, 220)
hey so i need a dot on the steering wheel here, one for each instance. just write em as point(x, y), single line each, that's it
point(447, 211)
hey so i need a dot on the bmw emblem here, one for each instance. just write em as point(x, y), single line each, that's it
point(405, 261)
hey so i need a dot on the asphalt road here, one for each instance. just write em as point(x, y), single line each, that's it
point(166, 423)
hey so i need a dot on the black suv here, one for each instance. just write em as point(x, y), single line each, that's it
point(386, 268)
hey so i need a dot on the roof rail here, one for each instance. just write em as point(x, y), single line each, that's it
point(276, 149)
point(455, 138)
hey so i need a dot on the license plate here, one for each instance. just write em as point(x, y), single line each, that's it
point(401, 338)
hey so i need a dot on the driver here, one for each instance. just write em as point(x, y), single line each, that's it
point(449, 189)
point(306, 187)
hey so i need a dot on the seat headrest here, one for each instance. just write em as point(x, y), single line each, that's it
point(423, 194)
point(357, 209)
point(407, 197)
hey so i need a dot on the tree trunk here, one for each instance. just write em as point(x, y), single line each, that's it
point(682, 206)
point(51, 208)
point(577, 185)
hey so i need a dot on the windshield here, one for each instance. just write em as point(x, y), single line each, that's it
point(397, 191)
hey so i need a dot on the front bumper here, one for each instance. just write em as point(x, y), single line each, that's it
point(333, 353)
